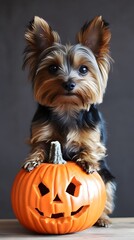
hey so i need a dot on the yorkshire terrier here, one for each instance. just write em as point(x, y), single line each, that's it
point(69, 81)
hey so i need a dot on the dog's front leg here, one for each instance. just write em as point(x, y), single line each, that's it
point(37, 155)
point(89, 157)
point(87, 164)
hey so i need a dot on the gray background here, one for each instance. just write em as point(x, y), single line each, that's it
point(16, 101)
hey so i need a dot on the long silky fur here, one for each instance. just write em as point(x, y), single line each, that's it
point(70, 117)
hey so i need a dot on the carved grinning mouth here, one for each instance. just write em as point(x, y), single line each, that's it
point(41, 213)
point(60, 215)
point(57, 215)
point(75, 212)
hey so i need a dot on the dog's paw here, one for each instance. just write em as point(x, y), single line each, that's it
point(29, 165)
point(104, 222)
point(87, 166)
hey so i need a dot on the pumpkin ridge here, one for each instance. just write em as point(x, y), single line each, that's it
point(97, 181)
point(68, 228)
point(42, 177)
point(18, 193)
point(54, 195)
point(85, 219)
point(68, 175)
point(35, 175)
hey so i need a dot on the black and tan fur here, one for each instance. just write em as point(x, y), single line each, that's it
point(68, 83)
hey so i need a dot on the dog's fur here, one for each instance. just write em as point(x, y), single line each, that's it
point(68, 83)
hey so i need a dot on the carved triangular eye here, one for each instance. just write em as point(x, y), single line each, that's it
point(73, 187)
point(43, 189)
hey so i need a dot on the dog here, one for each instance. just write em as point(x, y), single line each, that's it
point(69, 81)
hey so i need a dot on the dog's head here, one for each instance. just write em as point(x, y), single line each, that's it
point(73, 76)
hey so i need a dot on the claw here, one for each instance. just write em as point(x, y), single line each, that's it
point(86, 166)
point(30, 165)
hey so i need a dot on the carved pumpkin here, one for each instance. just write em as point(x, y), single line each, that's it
point(58, 198)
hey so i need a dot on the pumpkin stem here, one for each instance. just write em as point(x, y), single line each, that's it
point(55, 155)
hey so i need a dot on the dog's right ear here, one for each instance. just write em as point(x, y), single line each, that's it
point(39, 36)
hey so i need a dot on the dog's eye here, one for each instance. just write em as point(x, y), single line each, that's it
point(83, 70)
point(53, 68)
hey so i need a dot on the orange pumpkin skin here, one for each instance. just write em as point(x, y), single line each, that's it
point(58, 199)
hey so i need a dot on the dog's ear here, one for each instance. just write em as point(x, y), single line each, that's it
point(96, 36)
point(39, 36)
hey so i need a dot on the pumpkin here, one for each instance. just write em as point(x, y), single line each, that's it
point(57, 198)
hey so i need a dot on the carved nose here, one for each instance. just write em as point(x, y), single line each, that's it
point(69, 86)
point(57, 199)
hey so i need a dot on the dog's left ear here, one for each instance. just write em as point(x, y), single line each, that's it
point(96, 36)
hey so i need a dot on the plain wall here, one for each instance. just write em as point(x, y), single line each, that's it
point(16, 100)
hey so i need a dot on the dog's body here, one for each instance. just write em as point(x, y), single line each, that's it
point(68, 82)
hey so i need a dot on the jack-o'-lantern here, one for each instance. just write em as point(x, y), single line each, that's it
point(58, 198)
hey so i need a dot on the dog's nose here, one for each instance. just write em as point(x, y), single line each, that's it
point(70, 85)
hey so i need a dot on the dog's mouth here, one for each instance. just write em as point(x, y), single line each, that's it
point(69, 94)
point(76, 213)
point(74, 99)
